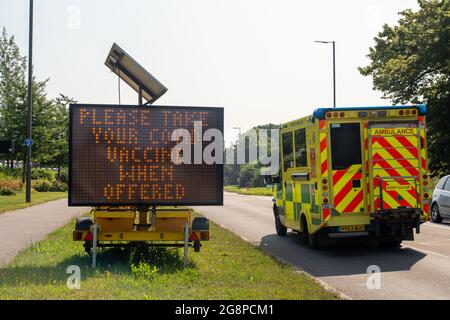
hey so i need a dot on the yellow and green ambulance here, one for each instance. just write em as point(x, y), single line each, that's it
point(353, 173)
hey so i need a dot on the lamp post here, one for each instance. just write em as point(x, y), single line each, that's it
point(334, 68)
point(28, 141)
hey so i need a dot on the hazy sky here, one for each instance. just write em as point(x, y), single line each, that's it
point(255, 58)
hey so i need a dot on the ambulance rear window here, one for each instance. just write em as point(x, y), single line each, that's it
point(288, 151)
point(345, 145)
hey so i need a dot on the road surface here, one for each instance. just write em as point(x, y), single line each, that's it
point(418, 270)
point(20, 228)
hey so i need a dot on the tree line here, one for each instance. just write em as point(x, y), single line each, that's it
point(50, 116)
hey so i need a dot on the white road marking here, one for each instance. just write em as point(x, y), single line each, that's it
point(427, 251)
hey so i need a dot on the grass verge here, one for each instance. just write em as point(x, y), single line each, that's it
point(9, 203)
point(226, 268)
point(263, 191)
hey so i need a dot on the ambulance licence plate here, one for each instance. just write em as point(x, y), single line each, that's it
point(351, 228)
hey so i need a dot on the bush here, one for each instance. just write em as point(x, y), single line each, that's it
point(58, 186)
point(42, 174)
point(64, 176)
point(7, 173)
point(248, 173)
point(41, 185)
point(144, 271)
point(14, 185)
point(7, 192)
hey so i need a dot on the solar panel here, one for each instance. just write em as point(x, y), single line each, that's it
point(132, 73)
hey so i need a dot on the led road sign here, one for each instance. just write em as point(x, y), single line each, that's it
point(124, 155)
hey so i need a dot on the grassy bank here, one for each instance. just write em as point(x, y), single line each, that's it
point(227, 268)
point(250, 191)
point(9, 203)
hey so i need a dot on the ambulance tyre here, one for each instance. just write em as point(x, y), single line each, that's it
point(281, 230)
point(391, 243)
point(312, 240)
point(435, 214)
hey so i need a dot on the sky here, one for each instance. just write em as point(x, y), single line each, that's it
point(255, 58)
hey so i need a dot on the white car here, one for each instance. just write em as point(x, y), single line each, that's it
point(440, 203)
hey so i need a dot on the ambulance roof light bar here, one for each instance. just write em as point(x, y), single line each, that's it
point(127, 69)
point(320, 113)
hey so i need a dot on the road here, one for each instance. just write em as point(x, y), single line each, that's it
point(21, 228)
point(418, 270)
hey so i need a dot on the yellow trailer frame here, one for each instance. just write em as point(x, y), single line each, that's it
point(121, 226)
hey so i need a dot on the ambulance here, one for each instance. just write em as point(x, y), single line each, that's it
point(353, 173)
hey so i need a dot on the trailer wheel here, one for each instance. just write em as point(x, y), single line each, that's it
point(87, 247)
point(435, 214)
point(197, 246)
point(281, 230)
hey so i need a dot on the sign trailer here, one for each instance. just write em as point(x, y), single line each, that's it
point(121, 163)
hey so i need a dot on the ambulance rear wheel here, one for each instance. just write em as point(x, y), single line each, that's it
point(312, 240)
point(281, 230)
point(391, 244)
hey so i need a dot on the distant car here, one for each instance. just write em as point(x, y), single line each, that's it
point(440, 204)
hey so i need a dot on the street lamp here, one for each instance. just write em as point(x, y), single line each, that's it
point(334, 68)
point(28, 140)
point(238, 128)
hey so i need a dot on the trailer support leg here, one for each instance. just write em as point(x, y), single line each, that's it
point(94, 245)
point(186, 243)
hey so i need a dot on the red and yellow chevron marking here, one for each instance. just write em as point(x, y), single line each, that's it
point(345, 199)
point(392, 198)
point(423, 151)
point(395, 156)
point(426, 208)
point(326, 213)
point(366, 155)
point(323, 148)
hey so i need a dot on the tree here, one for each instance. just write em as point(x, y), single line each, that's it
point(13, 91)
point(50, 117)
point(247, 175)
point(410, 63)
point(59, 132)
